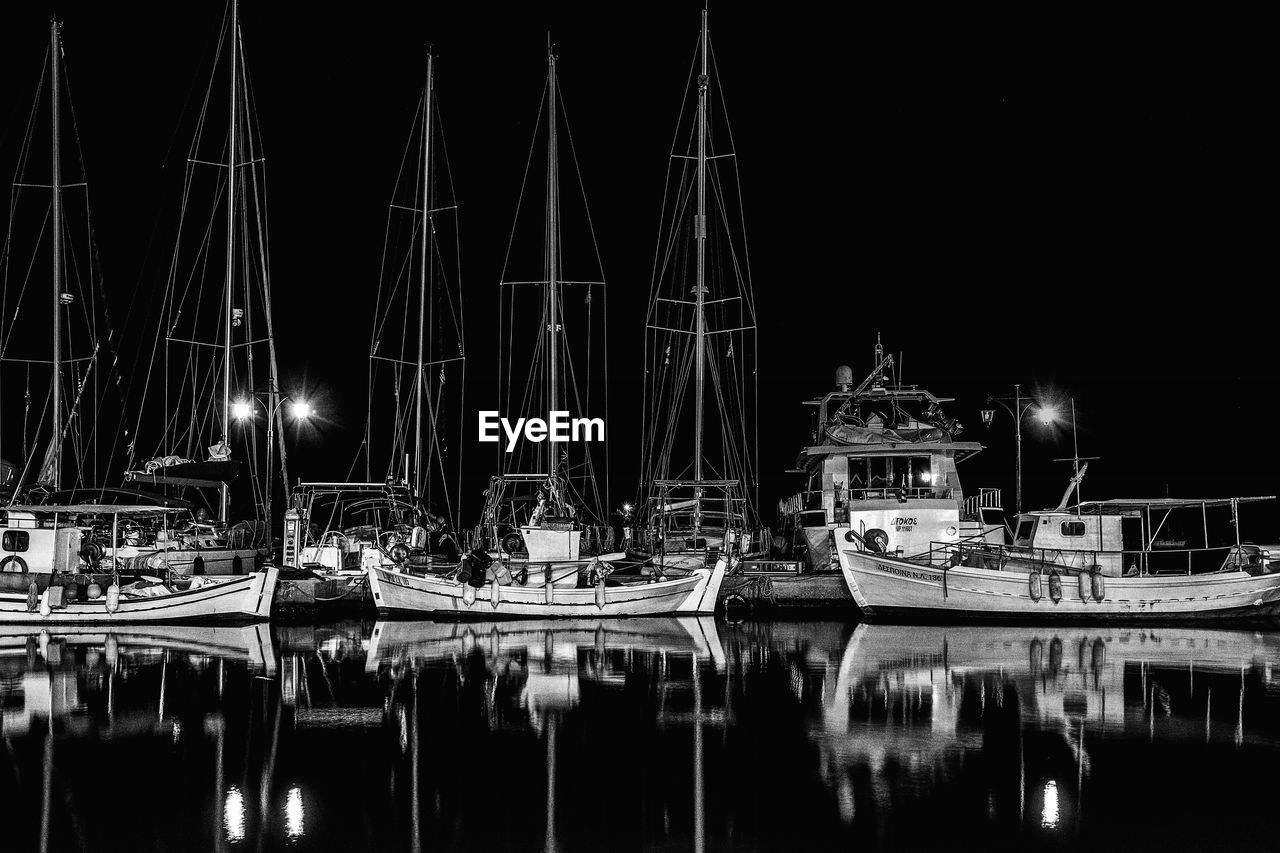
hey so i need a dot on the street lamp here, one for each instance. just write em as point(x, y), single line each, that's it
point(1021, 405)
point(242, 410)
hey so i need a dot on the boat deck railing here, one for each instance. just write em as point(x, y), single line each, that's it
point(812, 499)
point(972, 551)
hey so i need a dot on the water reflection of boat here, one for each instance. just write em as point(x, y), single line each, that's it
point(530, 677)
point(1035, 705)
point(550, 643)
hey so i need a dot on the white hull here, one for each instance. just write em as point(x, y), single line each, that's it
point(245, 598)
point(885, 586)
point(394, 592)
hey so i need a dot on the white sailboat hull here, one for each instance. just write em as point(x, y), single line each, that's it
point(891, 587)
point(245, 598)
point(398, 593)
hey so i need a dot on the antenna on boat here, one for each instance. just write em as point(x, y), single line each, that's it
point(55, 49)
point(1075, 459)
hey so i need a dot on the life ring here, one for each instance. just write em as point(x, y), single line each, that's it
point(512, 542)
point(735, 603)
point(877, 540)
point(1033, 586)
point(13, 560)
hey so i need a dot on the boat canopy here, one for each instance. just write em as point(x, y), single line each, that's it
point(1128, 506)
point(95, 509)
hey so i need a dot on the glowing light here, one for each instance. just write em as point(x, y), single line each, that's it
point(1048, 414)
point(627, 507)
point(293, 812)
point(926, 477)
point(242, 409)
point(301, 410)
point(1049, 816)
point(233, 814)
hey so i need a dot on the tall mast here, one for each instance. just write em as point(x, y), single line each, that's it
point(553, 228)
point(224, 496)
point(700, 239)
point(422, 282)
point(55, 49)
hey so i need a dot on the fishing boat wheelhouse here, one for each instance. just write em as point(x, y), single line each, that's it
point(883, 461)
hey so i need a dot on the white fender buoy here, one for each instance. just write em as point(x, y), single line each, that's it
point(113, 598)
point(600, 594)
point(1055, 586)
point(45, 608)
point(468, 594)
point(1033, 584)
point(1086, 589)
point(548, 588)
point(1099, 586)
point(33, 598)
point(495, 592)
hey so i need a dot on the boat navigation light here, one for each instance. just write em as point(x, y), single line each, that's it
point(301, 410)
point(242, 409)
point(1048, 414)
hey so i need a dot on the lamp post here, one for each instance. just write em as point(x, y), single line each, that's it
point(1018, 410)
point(242, 410)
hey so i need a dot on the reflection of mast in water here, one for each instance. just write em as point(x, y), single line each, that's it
point(550, 722)
point(699, 818)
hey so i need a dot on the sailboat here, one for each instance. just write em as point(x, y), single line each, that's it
point(63, 562)
point(700, 337)
point(212, 326)
point(541, 549)
point(337, 530)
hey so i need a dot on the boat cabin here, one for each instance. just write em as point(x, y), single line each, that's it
point(883, 459)
point(36, 546)
point(1136, 537)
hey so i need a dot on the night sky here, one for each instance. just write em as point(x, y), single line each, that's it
point(1060, 198)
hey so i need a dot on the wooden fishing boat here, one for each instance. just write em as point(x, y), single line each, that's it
point(1069, 565)
point(51, 573)
point(401, 592)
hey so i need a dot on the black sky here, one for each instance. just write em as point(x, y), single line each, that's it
point(1059, 197)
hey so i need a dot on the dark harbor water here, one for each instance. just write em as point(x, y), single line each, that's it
point(663, 734)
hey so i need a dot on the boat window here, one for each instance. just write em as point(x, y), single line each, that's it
point(881, 472)
point(1025, 527)
point(1073, 528)
point(858, 472)
point(16, 540)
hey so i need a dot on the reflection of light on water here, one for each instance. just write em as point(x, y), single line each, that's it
point(293, 812)
point(1049, 817)
point(233, 815)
